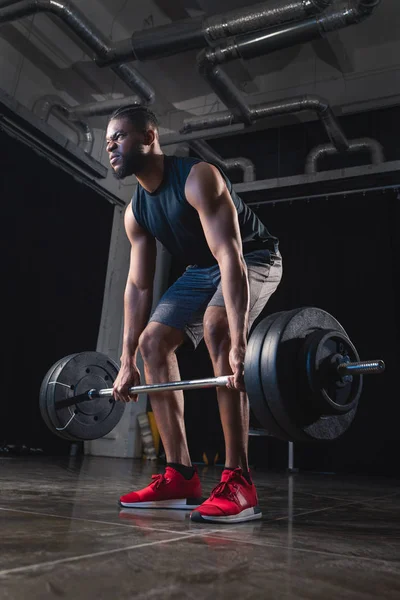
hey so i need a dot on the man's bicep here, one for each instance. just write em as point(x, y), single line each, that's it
point(143, 253)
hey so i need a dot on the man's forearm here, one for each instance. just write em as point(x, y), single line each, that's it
point(235, 289)
point(137, 306)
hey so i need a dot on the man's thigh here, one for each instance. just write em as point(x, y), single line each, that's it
point(183, 305)
point(264, 274)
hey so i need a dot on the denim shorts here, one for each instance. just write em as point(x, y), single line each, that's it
point(183, 305)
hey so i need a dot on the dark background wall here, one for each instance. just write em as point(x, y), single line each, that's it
point(54, 270)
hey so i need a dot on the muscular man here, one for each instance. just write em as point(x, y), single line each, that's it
point(233, 267)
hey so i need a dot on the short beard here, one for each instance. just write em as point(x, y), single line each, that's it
point(131, 164)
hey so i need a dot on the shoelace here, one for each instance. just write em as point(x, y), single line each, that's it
point(157, 480)
point(226, 488)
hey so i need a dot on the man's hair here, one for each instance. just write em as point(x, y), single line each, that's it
point(140, 117)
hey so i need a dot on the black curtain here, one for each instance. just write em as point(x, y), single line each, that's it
point(55, 236)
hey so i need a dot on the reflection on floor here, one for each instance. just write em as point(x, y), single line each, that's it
point(63, 536)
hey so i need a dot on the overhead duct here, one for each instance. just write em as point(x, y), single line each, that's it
point(85, 30)
point(242, 163)
point(363, 144)
point(269, 109)
point(51, 104)
point(72, 115)
point(106, 107)
point(196, 33)
point(250, 45)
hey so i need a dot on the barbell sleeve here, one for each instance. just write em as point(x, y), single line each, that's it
point(367, 367)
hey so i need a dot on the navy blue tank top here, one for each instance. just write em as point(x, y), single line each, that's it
point(168, 216)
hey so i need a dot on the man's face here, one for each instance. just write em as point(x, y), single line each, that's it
point(126, 148)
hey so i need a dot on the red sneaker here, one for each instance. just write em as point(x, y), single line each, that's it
point(170, 490)
point(233, 500)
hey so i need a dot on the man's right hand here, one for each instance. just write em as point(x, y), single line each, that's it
point(127, 377)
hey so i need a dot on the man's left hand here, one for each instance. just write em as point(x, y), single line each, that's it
point(236, 361)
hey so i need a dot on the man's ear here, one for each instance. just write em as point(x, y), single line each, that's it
point(149, 137)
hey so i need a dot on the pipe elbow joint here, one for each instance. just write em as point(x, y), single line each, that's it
point(206, 60)
point(312, 102)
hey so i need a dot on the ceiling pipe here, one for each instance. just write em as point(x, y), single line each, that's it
point(270, 109)
point(85, 30)
point(52, 104)
point(106, 107)
point(250, 45)
point(73, 115)
point(189, 34)
point(207, 153)
point(363, 144)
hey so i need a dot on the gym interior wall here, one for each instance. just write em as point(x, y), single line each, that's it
point(54, 270)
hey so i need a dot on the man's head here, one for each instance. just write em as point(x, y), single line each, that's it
point(132, 138)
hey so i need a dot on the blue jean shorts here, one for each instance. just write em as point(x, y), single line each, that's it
point(183, 305)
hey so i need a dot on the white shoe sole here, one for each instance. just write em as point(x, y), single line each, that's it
point(249, 514)
point(179, 504)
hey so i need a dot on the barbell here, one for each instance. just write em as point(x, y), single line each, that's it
point(303, 377)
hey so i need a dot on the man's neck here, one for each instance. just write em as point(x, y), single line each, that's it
point(152, 175)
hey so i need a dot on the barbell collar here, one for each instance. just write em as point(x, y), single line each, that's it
point(368, 367)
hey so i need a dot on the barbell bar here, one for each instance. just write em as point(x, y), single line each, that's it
point(343, 369)
point(303, 377)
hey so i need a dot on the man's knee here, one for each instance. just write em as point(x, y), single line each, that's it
point(216, 330)
point(158, 341)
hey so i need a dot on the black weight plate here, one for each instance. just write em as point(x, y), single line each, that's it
point(253, 379)
point(45, 398)
point(282, 379)
point(323, 351)
point(78, 373)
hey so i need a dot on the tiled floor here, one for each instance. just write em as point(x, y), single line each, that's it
point(62, 535)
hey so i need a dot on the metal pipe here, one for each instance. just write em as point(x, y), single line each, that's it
point(207, 153)
point(85, 30)
point(307, 102)
point(372, 146)
point(269, 40)
point(106, 107)
point(51, 104)
point(72, 115)
point(226, 91)
point(352, 12)
point(250, 45)
point(189, 34)
point(170, 139)
point(268, 109)
point(221, 119)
